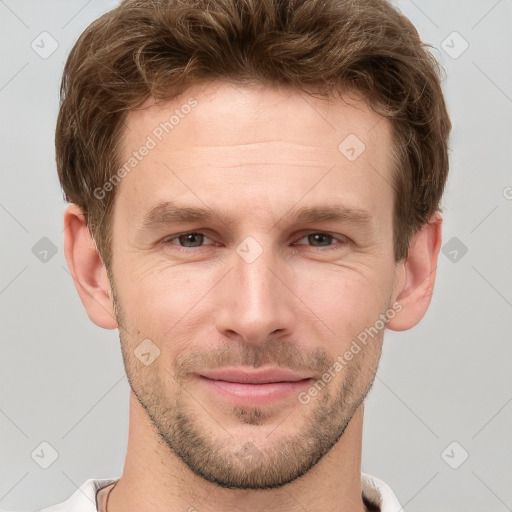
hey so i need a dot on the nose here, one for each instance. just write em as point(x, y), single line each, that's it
point(256, 300)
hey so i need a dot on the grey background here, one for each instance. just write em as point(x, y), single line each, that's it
point(449, 379)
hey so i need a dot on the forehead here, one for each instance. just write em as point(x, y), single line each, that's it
point(232, 141)
point(252, 113)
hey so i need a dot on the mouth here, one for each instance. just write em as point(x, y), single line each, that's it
point(254, 387)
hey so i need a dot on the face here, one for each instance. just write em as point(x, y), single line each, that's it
point(252, 245)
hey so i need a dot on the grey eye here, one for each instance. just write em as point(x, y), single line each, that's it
point(191, 239)
point(320, 239)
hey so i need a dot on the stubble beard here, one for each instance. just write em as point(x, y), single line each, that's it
point(270, 462)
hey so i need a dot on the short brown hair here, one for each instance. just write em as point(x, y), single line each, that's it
point(158, 48)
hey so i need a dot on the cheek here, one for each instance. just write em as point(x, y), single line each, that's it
point(161, 300)
point(347, 300)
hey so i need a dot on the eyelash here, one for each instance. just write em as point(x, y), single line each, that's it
point(330, 247)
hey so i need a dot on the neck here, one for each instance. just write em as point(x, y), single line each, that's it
point(154, 478)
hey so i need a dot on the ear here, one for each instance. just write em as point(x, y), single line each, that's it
point(87, 269)
point(416, 276)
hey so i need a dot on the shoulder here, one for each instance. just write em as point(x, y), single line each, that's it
point(82, 500)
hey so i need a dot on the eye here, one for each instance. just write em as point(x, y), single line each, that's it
point(320, 239)
point(187, 240)
point(194, 239)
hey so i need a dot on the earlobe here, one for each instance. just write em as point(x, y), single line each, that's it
point(416, 276)
point(87, 269)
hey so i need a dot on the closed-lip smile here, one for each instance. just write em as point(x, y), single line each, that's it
point(254, 387)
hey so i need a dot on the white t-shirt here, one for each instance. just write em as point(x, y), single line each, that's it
point(90, 496)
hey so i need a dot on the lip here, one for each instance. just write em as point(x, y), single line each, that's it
point(251, 376)
point(256, 388)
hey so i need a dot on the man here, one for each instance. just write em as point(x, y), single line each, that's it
point(255, 190)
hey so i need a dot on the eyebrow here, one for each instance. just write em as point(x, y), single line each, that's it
point(165, 213)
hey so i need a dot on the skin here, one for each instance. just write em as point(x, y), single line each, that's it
point(254, 154)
